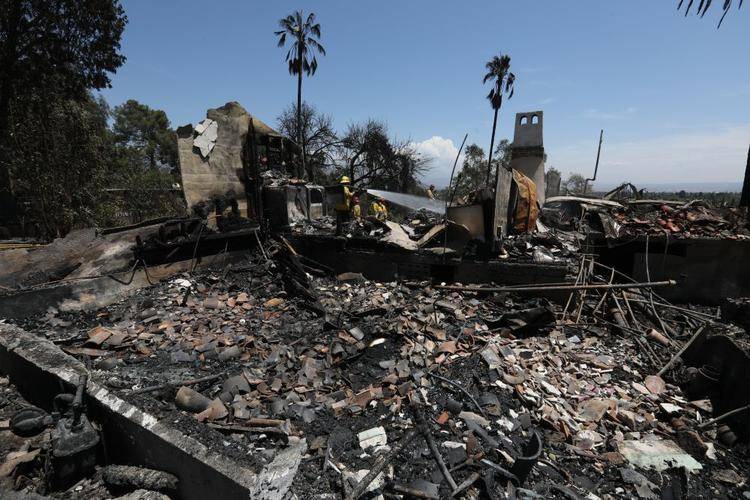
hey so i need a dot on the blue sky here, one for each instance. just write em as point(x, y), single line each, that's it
point(671, 93)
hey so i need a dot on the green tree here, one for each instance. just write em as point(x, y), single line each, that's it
point(502, 155)
point(65, 47)
point(553, 181)
point(145, 135)
point(59, 159)
point(144, 165)
point(498, 72)
point(305, 36)
point(574, 183)
point(473, 171)
point(554, 171)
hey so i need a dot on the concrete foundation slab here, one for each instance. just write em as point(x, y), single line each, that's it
point(132, 436)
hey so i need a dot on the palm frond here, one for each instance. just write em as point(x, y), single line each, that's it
point(286, 23)
point(509, 84)
point(498, 71)
point(304, 33)
point(701, 9)
point(705, 5)
point(314, 44)
point(727, 5)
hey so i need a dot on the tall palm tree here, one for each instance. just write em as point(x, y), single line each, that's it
point(305, 36)
point(498, 72)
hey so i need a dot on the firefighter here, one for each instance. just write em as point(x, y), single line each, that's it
point(356, 209)
point(343, 208)
point(378, 209)
point(431, 192)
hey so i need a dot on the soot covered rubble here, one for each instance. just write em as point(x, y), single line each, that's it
point(409, 390)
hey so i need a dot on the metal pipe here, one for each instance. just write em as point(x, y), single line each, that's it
point(681, 351)
point(596, 166)
point(78, 400)
point(449, 196)
point(723, 416)
point(380, 464)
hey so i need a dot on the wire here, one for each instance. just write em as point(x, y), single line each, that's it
point(195, 248)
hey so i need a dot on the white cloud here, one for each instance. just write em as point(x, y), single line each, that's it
point(709, 155)
point(602, 115)
point(715, 155)
point(442, 153)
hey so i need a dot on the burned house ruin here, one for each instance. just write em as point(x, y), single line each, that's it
point(478, 349)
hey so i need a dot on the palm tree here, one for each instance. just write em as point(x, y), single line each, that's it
point(498, 72)
point(301, 56)
point(705, 5)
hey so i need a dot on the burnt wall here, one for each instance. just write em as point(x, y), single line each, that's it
point(706, 270)
point(381, 262)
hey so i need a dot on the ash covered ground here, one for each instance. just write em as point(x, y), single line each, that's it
point(353, 367)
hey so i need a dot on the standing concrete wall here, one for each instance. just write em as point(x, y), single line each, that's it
point(221, 171)
point(217, 170)
point(527, 150)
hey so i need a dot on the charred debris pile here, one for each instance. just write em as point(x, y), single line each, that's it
point(417, 390)
point(633, 218)
point(494, 355)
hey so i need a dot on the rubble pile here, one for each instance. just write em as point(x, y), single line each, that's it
point(634, 218)
point(414, 390)
point(542, 248)
point(322, 225)
point(421, 221)
point(695, 219)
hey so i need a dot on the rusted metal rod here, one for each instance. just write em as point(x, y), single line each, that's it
point(572, 286)
point(710, 317)
point(170, 385)
point(469, 481)
point(425, 431)
point(681, 351)
point(380, 465)
point(457, 386)
point(723, 416)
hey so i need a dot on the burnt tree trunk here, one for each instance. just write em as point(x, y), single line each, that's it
point(745, 198)
point(492, 145)
point(300, 132)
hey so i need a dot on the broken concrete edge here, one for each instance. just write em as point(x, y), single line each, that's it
point(21, 348)
point(88, 295)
